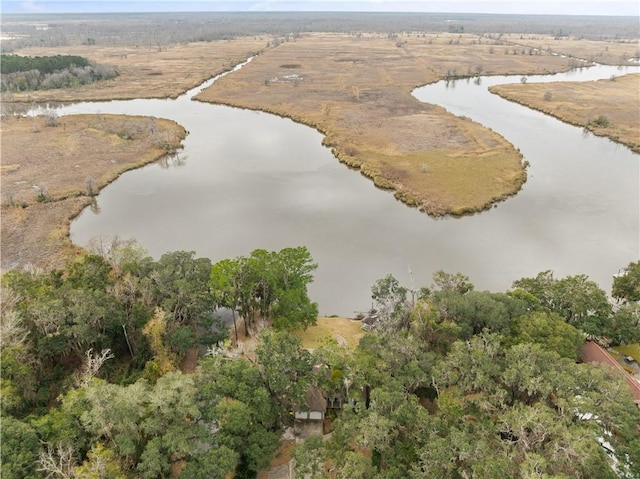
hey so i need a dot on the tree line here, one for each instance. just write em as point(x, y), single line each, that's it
point(451, 382)
point(46, 64)
point(22, 73)
point(155, 29)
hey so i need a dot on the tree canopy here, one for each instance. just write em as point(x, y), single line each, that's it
point(626, 285)
point(453, 382)
point(267, 287)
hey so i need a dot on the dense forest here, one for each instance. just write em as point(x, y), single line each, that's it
point(450, 381)
point(20, 73)
point(153, 29)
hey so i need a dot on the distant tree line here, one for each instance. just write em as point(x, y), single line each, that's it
point(154, 29)
point(22, 73)
point(46, 64)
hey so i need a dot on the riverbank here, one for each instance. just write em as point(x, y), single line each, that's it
point(53, 167)
point(356, 90)
point(605, 107)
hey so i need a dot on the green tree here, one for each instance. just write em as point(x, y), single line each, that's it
point(267, 287)
point(577, 299)
point(20, 449)
point(286, 370)
point(452, 282)
point(626, 286)
point(216, 463)
point(225, 283)
point(398, 360)
point(234, 399)
point(475, 311)
point(179, 284)
point(147, 427)
point(625, 324)
point(542, 406)
point(101, 463)
point(308, 457)
point(436, 332)
point(548, 330)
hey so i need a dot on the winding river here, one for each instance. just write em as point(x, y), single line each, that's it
point(248, 180)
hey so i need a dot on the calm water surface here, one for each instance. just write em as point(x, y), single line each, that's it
point(250, 180)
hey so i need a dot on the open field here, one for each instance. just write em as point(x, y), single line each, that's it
point(345, 331)
point(50, 173)
point(583, 103)
point(145, 71)
point(356, 89)
point(608, 52)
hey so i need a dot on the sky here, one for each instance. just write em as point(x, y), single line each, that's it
point(552, 7)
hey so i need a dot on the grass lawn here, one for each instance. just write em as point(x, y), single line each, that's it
point(632, 350)
point(335, 328)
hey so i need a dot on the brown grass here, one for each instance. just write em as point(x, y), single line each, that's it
point(145, 72)
point(337, 329)
point(46, 184)
point(608, 52)
point(580, 103)
point(357, 91)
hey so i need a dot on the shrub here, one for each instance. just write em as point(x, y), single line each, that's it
point(602, 122)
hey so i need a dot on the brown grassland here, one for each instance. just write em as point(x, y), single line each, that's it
point(144, 72)
point(582, 103)
point(605, 52)
point(345, 331)
point(356, 89)
point(50, 173)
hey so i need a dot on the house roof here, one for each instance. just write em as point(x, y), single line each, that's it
point(316, 400)
point(592, 352)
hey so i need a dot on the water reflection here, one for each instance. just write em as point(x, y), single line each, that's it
point(248, 180)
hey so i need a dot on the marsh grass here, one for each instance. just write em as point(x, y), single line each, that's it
point(145, 71)
point(59, 161)
point(604, 107)
point(357, 91)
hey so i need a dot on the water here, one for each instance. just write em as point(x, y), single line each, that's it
point(251, 180)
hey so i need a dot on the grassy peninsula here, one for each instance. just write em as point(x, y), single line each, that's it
point(52, 167)
point(604, 107)
point(356, 89)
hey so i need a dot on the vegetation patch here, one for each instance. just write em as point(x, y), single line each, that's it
point(143, 71)
point(373, 123)
point(604, 107)
point(344, 331)
point(54, 171)
point(20, 73)
point(632, 350)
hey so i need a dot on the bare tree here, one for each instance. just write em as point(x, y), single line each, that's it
point(92, 365)
point(58, 462)
point(13, 332)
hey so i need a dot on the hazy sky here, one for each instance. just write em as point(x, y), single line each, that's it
point(556, 7)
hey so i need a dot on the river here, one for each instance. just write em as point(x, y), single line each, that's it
point(248, 180)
